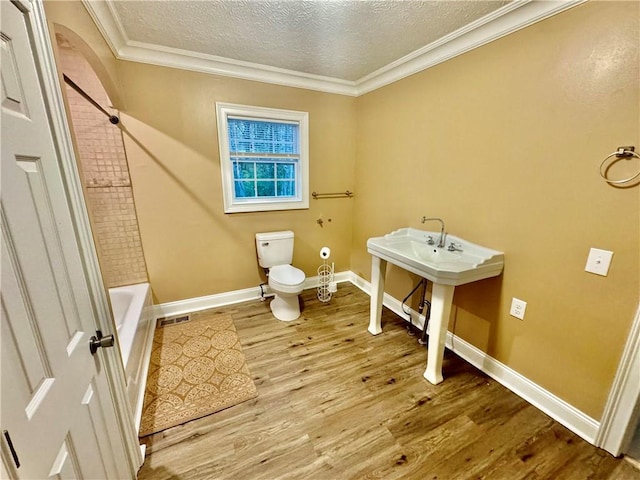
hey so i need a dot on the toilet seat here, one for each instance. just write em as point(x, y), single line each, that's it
point(286, 279)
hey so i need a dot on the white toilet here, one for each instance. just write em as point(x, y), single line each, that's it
point(275, 252)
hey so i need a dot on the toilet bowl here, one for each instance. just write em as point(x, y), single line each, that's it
point(286, 282)
point(275, 252)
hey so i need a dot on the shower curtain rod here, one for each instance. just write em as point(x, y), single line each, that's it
point(112, 118)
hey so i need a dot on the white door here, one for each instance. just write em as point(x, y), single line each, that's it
point(56, 409)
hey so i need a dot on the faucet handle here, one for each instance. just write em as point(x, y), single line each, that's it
point(430, 240)
point(454, 247)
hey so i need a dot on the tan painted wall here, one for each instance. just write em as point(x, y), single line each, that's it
point(504, 144)
point(192, 247)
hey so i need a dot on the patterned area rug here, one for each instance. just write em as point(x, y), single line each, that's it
point(197, 368)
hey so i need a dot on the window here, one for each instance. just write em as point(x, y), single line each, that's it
point(264, 158)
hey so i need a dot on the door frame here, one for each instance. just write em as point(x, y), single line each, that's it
point(124, 432)
point(621, 412)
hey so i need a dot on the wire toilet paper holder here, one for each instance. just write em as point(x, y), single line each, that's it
point(326, 284)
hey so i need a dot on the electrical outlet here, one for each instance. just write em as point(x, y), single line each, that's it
point(518, 308)
point(598, 261)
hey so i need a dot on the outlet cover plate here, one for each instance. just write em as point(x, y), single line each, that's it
point(518, 308)
point(598, 261)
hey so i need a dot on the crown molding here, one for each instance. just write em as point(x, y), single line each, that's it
point(199, 62)
point(508, 19)
point(108, 23)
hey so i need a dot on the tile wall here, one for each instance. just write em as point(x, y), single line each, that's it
point(105, 174)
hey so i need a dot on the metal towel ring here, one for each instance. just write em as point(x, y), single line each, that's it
point(620, 153)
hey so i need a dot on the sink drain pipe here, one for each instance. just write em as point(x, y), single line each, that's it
point(423, 339)
point(423, 302)
point(423, 284)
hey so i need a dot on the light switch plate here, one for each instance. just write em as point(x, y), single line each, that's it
point(598, 261)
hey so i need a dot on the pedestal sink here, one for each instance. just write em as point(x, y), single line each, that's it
point(457, 263)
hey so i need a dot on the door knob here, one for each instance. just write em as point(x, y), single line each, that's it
point(98, 341)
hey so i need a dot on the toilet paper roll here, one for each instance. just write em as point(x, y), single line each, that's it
point(325, 252)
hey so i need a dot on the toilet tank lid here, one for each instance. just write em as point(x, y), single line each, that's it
point(274, 235)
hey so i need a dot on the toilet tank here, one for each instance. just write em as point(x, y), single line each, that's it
point(274, 248)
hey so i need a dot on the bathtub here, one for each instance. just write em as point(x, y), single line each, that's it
point(133, 316)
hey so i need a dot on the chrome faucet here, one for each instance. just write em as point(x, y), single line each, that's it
point(443, 235)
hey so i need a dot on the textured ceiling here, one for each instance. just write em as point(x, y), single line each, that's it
point(334, 38)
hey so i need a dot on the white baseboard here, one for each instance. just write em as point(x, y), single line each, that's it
point(564, 413)
point(561, 411)
point(189, 305)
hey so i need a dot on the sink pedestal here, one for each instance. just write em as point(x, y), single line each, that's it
point(441, 298)
point(378, 271)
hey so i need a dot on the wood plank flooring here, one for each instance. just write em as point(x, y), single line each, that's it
point(335, 402)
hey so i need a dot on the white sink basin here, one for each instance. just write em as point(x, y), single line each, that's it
point(408, 248)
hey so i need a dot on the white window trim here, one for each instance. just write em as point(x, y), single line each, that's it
point(233, 205)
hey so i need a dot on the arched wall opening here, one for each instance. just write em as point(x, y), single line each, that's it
point(102, 163)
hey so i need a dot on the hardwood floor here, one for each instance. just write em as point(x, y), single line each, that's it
point(335, 402)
